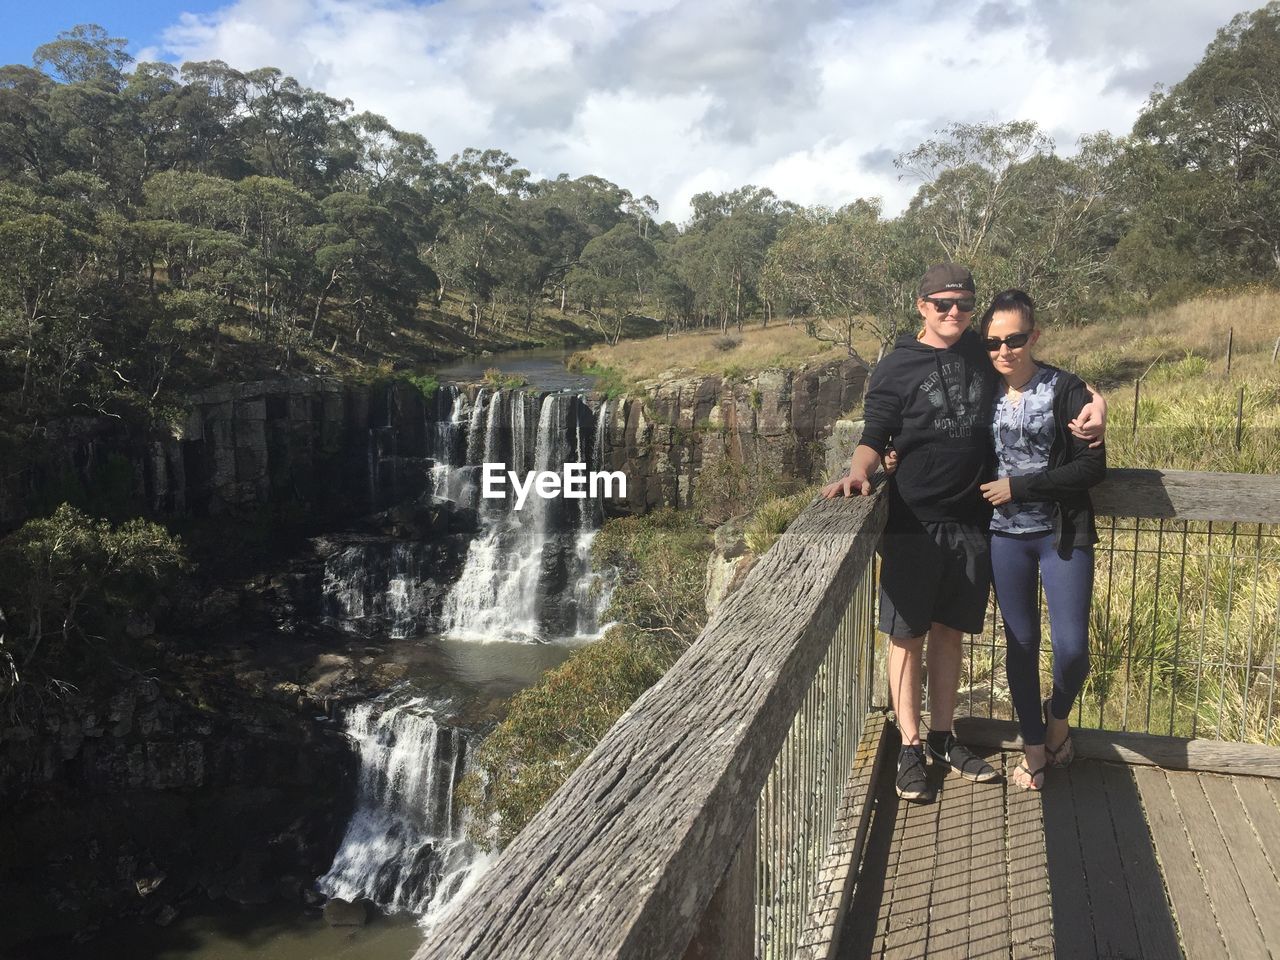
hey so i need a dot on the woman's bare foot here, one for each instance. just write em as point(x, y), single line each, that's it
point(1029, 774)
point(1058, 733)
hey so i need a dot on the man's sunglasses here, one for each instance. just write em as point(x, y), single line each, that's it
point(1013, 341)
point(944, 305)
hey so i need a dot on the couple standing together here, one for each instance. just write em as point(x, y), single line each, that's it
point(976, 423)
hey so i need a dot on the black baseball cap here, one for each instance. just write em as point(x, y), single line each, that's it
point(946, 276)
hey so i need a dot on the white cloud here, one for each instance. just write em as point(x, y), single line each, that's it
point(670, 97)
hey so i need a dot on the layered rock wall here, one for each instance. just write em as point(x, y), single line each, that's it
point(326, 448)
point(772, 427)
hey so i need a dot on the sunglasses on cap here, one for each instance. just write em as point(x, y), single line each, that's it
point(1013, 341)
point(944, 304)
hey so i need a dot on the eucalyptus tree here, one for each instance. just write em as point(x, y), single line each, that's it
point(367, 262)
point(849, 270)
point(722, 249)
point(1211, 148)
point(480, 190)
point(969, 174)
point(612, 278)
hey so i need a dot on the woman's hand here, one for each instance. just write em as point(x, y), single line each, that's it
point(997, 491)
point(890, 462)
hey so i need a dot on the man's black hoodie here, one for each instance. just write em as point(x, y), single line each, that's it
point(935, 407)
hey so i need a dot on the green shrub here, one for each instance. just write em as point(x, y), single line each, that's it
point(551, 727)
point(426, 383)
point(726, 342)
point(69, 582)
point(726, 487)
point(772, 519)
point(498, 380)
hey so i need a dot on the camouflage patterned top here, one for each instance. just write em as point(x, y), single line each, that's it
point(1023, 434)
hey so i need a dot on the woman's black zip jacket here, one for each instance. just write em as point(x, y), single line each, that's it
point(1073, 468)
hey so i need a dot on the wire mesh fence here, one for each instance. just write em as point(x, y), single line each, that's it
point(801, 799)
point(1184, 633)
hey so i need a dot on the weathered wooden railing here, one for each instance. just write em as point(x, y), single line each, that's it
point(705, 823)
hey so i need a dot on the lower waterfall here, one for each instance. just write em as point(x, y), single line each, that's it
point(405, 847)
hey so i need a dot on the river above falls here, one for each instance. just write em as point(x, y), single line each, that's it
point(541, 369)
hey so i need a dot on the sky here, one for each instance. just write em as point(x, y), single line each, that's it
point(811, 98)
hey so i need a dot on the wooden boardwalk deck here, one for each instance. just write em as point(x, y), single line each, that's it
point(1114, 861)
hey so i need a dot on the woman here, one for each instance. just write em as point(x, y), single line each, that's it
point(1042, 525)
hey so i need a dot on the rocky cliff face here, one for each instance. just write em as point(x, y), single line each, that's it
point(325, 448)
point(315, 444)
point(772, 425)
point(128, 803)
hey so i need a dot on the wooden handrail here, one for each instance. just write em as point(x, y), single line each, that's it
point(624, 859)
point(1189, 495)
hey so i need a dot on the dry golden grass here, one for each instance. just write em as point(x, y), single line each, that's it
point(703, 353)
point(1187, 409)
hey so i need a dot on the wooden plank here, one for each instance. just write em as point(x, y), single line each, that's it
point(1226, 895)
point(1263, 813)
point(873, 883)
point(1072, 919)
point(988, 883)
point(836, 879)
point(624, 859)
point(1145, 749)
point(1112, 909)
point(949, 903)
point(1251, 864)
point(1148, 899)
point(1197, 927)
point(1030, 903)
point(908, 935)
point(1188, 495)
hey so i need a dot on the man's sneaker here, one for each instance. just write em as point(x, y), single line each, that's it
point(913, 779)
point(963, 761)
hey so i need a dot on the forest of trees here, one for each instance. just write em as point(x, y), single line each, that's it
point(146, 210)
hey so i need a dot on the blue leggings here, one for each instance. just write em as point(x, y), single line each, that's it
point(1068, 587)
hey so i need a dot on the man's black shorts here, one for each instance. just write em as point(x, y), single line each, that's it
point(940, 572)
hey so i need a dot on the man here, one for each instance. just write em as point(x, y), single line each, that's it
point(931, 398)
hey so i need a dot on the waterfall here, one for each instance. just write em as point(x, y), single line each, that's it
point(405, 847)
point(379, 584)
point(446, 444)
point(527, 574)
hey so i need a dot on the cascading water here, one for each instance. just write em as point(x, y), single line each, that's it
point(380, 585)
point(405, 847)
point(528, 574)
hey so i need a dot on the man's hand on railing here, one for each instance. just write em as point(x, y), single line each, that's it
point(1091, 423)
point(853, 484)
point(857, 482)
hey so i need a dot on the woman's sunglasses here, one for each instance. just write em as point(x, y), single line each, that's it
point(1013, 341)
point(944, 304)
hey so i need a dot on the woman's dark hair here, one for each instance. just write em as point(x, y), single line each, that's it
point(1017, 301)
